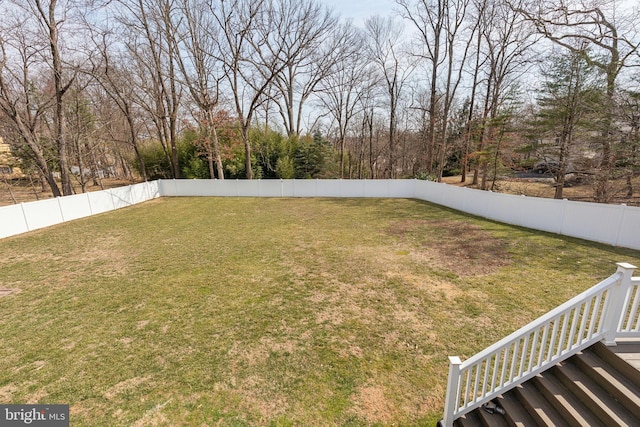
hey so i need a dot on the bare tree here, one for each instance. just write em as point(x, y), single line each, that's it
point(386, 51)
point(48, 19)
point(252, 57)
point(444, 44)
point(506, 39)
point(429, 18)
point(348, 81)
point(80, 131)
point(304, 31)
point(196, 55)
point(113, 71)
point(477, 17)
point(151, 44)
point(596, 33)
point(24, 103)
point(41, 24)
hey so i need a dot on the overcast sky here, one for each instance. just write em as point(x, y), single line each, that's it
point(360, 10)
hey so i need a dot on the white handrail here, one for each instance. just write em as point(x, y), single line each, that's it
point(609, 309)
point(630, 322)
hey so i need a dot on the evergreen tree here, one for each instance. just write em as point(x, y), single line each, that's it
point(569, 95)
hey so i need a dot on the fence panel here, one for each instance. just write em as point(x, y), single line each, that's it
point(329, 188)
point(42, 213)
point(629, 231)
point(271, 187)
point(592, 221)
point(503, 207)
point(402, 188)
point(475, 202)
point(75, 207)
point(167, 187)
point(305, 188)
point(121, 196)
point(21, 218)
point(13, 221)
point(352, 188)
point(542, 214)
point(612, 224)
point(376, 188)
point(100, 201)
point(287, 188)
point(248, 188)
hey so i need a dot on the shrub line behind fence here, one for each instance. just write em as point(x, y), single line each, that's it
point(616, 225)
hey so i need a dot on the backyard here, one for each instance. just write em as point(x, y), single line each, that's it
point(246, 311)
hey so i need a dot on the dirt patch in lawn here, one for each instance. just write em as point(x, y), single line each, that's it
point(460, 247)
point(6, 392)
point(5, 291)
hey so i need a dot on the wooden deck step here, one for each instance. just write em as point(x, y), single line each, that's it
point(601, 403)
point(608, 354)
point(491, 420)
point(629, 350)
point(480, 418)
point(574, 412)
point(609, 378)
point(516, 414)
point(538, 407)
point(467, 420)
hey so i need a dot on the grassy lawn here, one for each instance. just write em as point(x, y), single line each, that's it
point(225, 311)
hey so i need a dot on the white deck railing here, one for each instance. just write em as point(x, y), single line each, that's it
point(609, 310)
point(630, 321)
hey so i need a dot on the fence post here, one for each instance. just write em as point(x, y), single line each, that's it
point(615, 303)
point(60, 208)
point(623, 206)
point(453, 384)
point(24, 215)
point(565, 203)
point(89, 203)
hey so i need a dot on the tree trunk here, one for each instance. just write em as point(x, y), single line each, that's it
point(60, 142)
point(247, 151)
point(217, 158)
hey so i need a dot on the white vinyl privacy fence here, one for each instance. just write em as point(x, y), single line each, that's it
point(23, 217)
point(617, 225)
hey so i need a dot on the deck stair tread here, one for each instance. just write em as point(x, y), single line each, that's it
point(610, 379)
point(612, 357)
point(567, 404)
point(515, 413)
point(629, 350)
point(491, 420)
point(539, 408)
point(467, 420)
point(603, 405)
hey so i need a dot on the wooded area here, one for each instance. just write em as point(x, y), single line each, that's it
point(140, 89)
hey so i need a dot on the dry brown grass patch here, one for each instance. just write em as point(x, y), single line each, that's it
point(460, 247)
point(7, 391)
point(8, 291)
point(371, 404)
point(124, 386)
